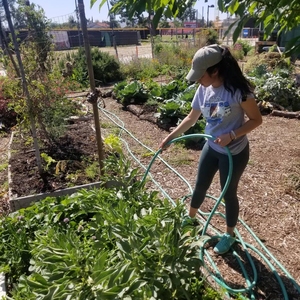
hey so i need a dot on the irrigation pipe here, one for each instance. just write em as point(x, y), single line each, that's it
point(267, 257)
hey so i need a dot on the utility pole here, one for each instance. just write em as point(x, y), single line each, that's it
point(94, 94)
point(208, 7)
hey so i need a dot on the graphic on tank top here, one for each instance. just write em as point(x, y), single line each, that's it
point(214, 109)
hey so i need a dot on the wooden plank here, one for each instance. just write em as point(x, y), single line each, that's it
point(23, 202)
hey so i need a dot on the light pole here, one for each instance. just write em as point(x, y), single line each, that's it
point(208, 7)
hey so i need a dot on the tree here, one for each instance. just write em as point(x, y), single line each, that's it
point(18, 18)
point(157, 8)
point(72, 22)
point(281, 15)
point(190, 14)
point(11, 5)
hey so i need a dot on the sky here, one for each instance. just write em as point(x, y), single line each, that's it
point(60, 9)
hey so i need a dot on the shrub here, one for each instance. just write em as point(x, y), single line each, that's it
point(208, 36)
point(106, 68)
point(246, 47)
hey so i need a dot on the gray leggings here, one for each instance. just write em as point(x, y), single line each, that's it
point(210, 162)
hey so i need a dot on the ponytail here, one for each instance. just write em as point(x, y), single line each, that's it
point(231, 73)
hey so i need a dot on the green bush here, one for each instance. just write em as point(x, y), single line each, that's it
point(209, 35)
point(106, 68)
point(246, 47)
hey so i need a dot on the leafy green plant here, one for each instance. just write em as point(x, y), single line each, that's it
point(170, 111)
point(114, 143)
point(133, 92)
point(48, 160)
point(199, 127)
point(172, 88)
point(258, 71)
point(154, 88)
point(279, 90)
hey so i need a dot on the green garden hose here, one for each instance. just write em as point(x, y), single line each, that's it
point(267, 256)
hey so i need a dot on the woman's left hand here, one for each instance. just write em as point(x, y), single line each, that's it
point(223, 140)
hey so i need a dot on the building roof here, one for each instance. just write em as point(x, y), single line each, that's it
point(98, 25)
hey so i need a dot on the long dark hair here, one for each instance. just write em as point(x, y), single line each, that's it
point(231, 73)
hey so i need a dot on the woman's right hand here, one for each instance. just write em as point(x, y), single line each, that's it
point(164, 144)
point(186, 123)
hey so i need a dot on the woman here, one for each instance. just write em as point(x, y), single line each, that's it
point(223, 97)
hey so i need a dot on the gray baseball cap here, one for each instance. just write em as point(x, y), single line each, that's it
point(204, 58)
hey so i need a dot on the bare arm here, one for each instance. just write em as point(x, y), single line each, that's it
point(254, 120)
point(186, 123)
point(254, 117)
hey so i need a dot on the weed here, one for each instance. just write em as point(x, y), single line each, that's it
point(180, 155)
point(72, 177)
point(251, 163)
point(107, 125)
point(3, 167)
point(4, 186)
point(93, 170)
point(48, 160)
point(147, 154)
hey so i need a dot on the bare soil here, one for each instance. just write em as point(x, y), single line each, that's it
point(269, 190)
point(72, 153)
